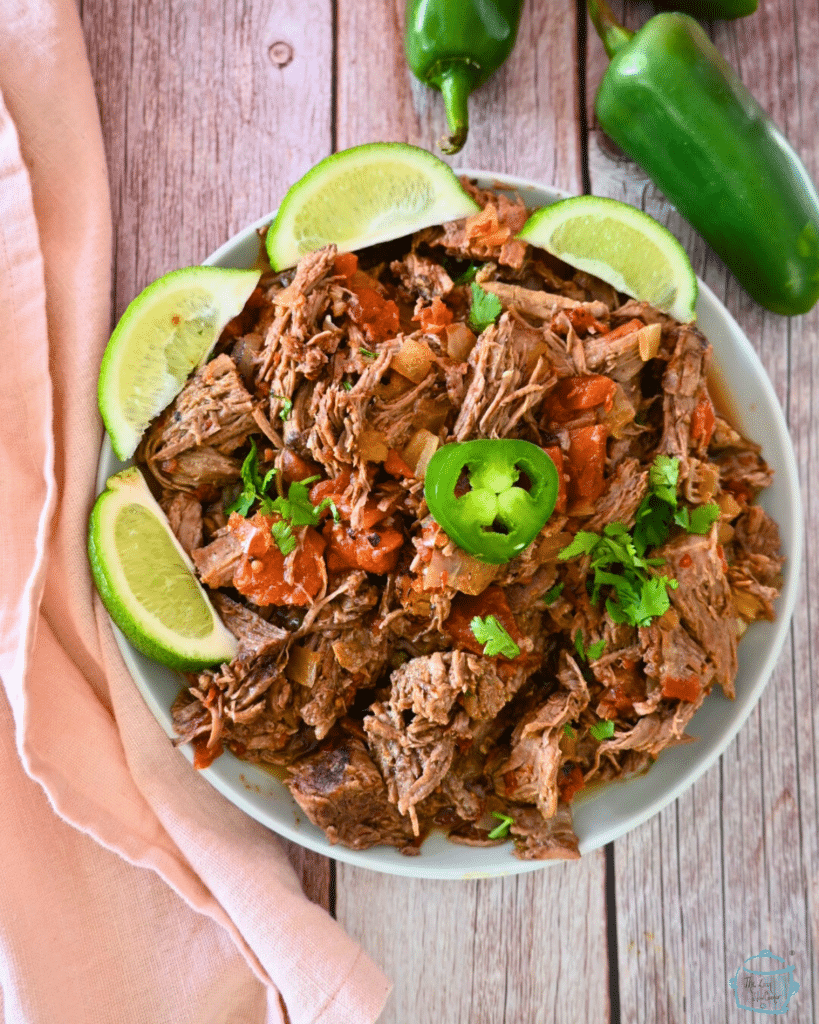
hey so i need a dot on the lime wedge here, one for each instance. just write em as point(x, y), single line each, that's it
point(146, 580)
point(362, 196)
point(166, 332)
point(621, 245)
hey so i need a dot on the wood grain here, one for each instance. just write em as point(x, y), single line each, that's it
point(209, 111)
point(495, 950)
point(731, 868)
point(530, 948)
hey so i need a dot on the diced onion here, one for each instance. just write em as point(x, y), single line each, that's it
point(372, 446)
point(303, 666)
point(648, 340)
point(459, 342)
point(413, 360)
point(419, 450)
point(460, 571)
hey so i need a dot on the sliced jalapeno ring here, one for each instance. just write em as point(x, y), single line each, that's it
point(491, 497)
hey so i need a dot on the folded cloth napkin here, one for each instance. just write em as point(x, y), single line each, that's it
point(94, 795)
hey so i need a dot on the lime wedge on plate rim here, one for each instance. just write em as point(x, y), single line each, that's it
point(167, 331)
point(362, 196)
point(146, 581)
point(622, 246)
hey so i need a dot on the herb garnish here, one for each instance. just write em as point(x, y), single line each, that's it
point(255, 486)
point(287, 406)
point(602, 730)
point(366, 352)
point(494, 637)
point(468, 275)
point(569, 731)
point(297, 508)
point(501, 831)
point(283, 536)
point(485, 308)
point(553, 594)
point(618, 560)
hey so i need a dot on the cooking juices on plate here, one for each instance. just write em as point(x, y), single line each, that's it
point(319, 471)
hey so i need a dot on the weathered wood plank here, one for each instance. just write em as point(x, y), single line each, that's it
point(523, 121)
point(508, 949)
point(731, 868)
point(209, 112)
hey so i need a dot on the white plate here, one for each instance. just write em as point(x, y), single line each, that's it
point(612, 810)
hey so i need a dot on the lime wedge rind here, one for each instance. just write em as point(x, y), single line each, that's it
point(363, 196)
point(166, 332)
point(622, 246)
point(167, 615)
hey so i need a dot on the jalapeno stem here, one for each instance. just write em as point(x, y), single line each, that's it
point(456, 83)
point(613, 35)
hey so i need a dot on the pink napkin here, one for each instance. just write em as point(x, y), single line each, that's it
point(94, 795)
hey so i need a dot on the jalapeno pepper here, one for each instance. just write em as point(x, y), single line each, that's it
point(708, 9)
point(672, 102)
point(454, 46)
point(491, 497)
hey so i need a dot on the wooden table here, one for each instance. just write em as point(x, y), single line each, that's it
point(210, 111)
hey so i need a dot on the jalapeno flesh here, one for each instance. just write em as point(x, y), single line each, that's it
point(491, 497)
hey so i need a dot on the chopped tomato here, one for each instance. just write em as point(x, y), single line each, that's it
point(582, 320)
point(572, 395)
point(464, 609)
point(375, 550)
point(294, 467)
point(625, 329)
point(434, 319)
point(396, 466)
point(485, 227)
point(687, 689)
point(336, 490)
point(587, 462)
point(628, 686)
point(265, 575)
point(569, 781)
point(345, 265)
point(702, 423)
point(556, 455)
point(375, 315)
point(686, 561)
point(203, 755)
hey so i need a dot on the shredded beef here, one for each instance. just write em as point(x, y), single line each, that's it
point(359, 669)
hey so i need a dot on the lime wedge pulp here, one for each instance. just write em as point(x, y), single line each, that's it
point(362, 196)
point(146, 581)
point(622, 246)
point(167, 331)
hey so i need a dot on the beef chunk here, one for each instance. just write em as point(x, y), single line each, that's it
point(341, 791)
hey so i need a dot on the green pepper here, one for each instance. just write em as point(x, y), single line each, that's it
point(454, 46)
point(676, 107)
point(709, 9)
point(477, 493)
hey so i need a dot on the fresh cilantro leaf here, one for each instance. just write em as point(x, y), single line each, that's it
point(579, 645)
point(366, 352)
point(501, 831)
point(553, 594)
point(297, 507)
point(663, 477)
point(347, 385)
point(485, 308)
point(703, 517)
point(602, 730)
point(682, 517)
point(583, 544)
point(652, 523)
point(255, 486)
point(569, 731)
point(287, 406)
point(595, 650)
point(283, 535)
point(468, 275)
point(493, 636)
